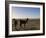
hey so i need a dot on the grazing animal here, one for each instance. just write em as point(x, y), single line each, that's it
point(23, 22)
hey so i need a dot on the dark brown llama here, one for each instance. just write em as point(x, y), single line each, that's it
point(23, 22)
point(14, 22)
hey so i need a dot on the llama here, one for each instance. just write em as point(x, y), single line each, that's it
point(14, 22)
point(23, 22)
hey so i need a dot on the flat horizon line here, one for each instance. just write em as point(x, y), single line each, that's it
point(25, 18)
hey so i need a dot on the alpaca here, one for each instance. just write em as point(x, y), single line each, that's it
point(23, 22)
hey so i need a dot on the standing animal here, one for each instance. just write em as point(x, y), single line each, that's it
point(14, 23)
point(23, 22)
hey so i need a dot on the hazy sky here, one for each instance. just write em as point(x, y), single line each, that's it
point(25, 12)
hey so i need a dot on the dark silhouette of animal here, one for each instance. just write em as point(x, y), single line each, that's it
point(14, 22)
point(23, 22)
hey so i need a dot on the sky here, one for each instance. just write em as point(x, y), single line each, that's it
point(25, 12)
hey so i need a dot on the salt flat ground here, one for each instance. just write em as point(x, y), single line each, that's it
point(32, 24)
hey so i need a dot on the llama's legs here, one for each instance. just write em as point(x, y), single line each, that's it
point(23, 26)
